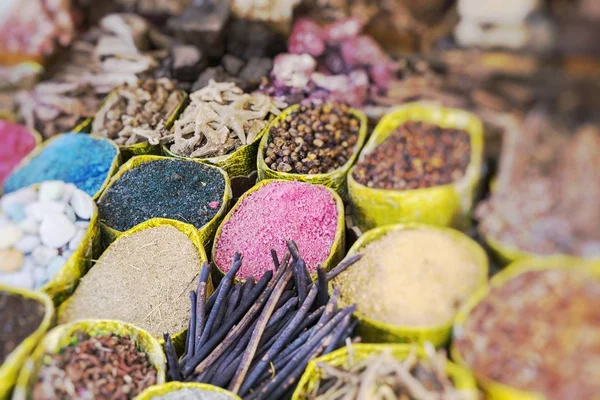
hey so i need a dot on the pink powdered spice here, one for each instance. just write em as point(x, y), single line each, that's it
point(17, 142)
point(275, 213)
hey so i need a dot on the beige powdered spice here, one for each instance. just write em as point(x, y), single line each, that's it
point(143, 279)
point(411, 277)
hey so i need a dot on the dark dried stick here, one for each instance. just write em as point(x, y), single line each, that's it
point(347, 333)
point(172, 363)
point(282, 311)
point(246, 288)
point(232, 334)
point(201, 293)
point(341, 267)
point(263, 320)
point(288, 294)
point(330, 308)
point(293, 249)
point(300, 280)
point(225, 329)
point(227, 282)
point(191, 333)
point(338, 333)
point(232, 301)
point(323, 295)
point(275, 259)
point(280, 342)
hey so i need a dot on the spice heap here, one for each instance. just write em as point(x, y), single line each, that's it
point(335, 63)
point(545, 338)
point(270, 215)
point(73, 158)
point(417, 155)
point(313, 139)
point(537, 204)
point(183, 190)
point(138, 113)
point(256, 338)
point(40, 229)
point(54, 107)
point(383, 376)
point(193, 394)
point(100, 367)
point(141, 279)
point(432, 284)
point(19, 318)
point(220, 119)
point(17, 142)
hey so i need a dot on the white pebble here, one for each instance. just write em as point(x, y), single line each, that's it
point(40, 276)
point(82, 204)
point(51, 190)
point(67, 253)
point(9, 235)
point(67, 192)
point(82, 224)
point(29, 225)
point(70, 213)
point(55, 265)
point(21, 279)
point(56, 230)
point(22, 196)
point(74, 243)
point(38, 209)
point(27, 243)
point(42, 255)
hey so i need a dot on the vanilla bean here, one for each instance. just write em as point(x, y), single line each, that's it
point(347, 333)
point(341, 267)
point(246, 288)
point(338, 333)
point(189, 340)
point(223, 292)
point(172, 363)
point(201, 293)
point(281, 341)
point(288, 294)
point(300, 283)
point(263, 320)
point(275, 259)
point(234, 297)
point(330, 308)
point(282, 311)
point(323, 295)
point(217, 338)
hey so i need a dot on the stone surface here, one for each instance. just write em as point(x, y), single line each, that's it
point(15, 211)
point(21, 279)
point(39, 208)
point(68, 190)
point(27, 243)
point(42, 255)
point(9, 235)
point(26, 195)
point(56, 230)
point(82, 204)
point(11, 260)
point(29, 225)
point(51, 190)
point(55, 265)
point(76, 240)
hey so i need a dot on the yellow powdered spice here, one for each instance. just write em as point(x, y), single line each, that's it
point(143, 279)
point(410, 277)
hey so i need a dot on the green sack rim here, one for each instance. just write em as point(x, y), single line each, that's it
point(492, 388)
point(206, 231)
point(112, 169)
point(266, 172)
point(141, 148)
point(62, 336)
point(190, 231)
point(159, 390)
point(437, 334)
point(337, 246)
point(445, 117)
point(462, 378)
point(9, 370)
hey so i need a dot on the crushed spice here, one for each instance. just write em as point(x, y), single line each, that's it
point(100, 367)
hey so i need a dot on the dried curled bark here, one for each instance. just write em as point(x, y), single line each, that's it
point(219, 119)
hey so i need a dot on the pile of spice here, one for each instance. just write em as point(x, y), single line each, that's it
point(193, 394)
point(256, 338)
point(538, 332)
point(417, 155)
point(274, 213)
point(98, 367)
point(73, 158)
point(138, 113)
point(383, 376)
point(219, 119)
point(19, 318)
point(39, 231)
point(17, 142)
point(55, 107)
point(313, 139)
point(400, 281)
point(141, 279)
point(183, 190)
point(537, 204)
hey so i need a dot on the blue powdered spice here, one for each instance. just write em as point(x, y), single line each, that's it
point(74, 158)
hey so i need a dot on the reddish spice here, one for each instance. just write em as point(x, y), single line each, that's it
point(17, 142)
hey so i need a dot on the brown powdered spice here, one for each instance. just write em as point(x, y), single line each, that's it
point(143, 279)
